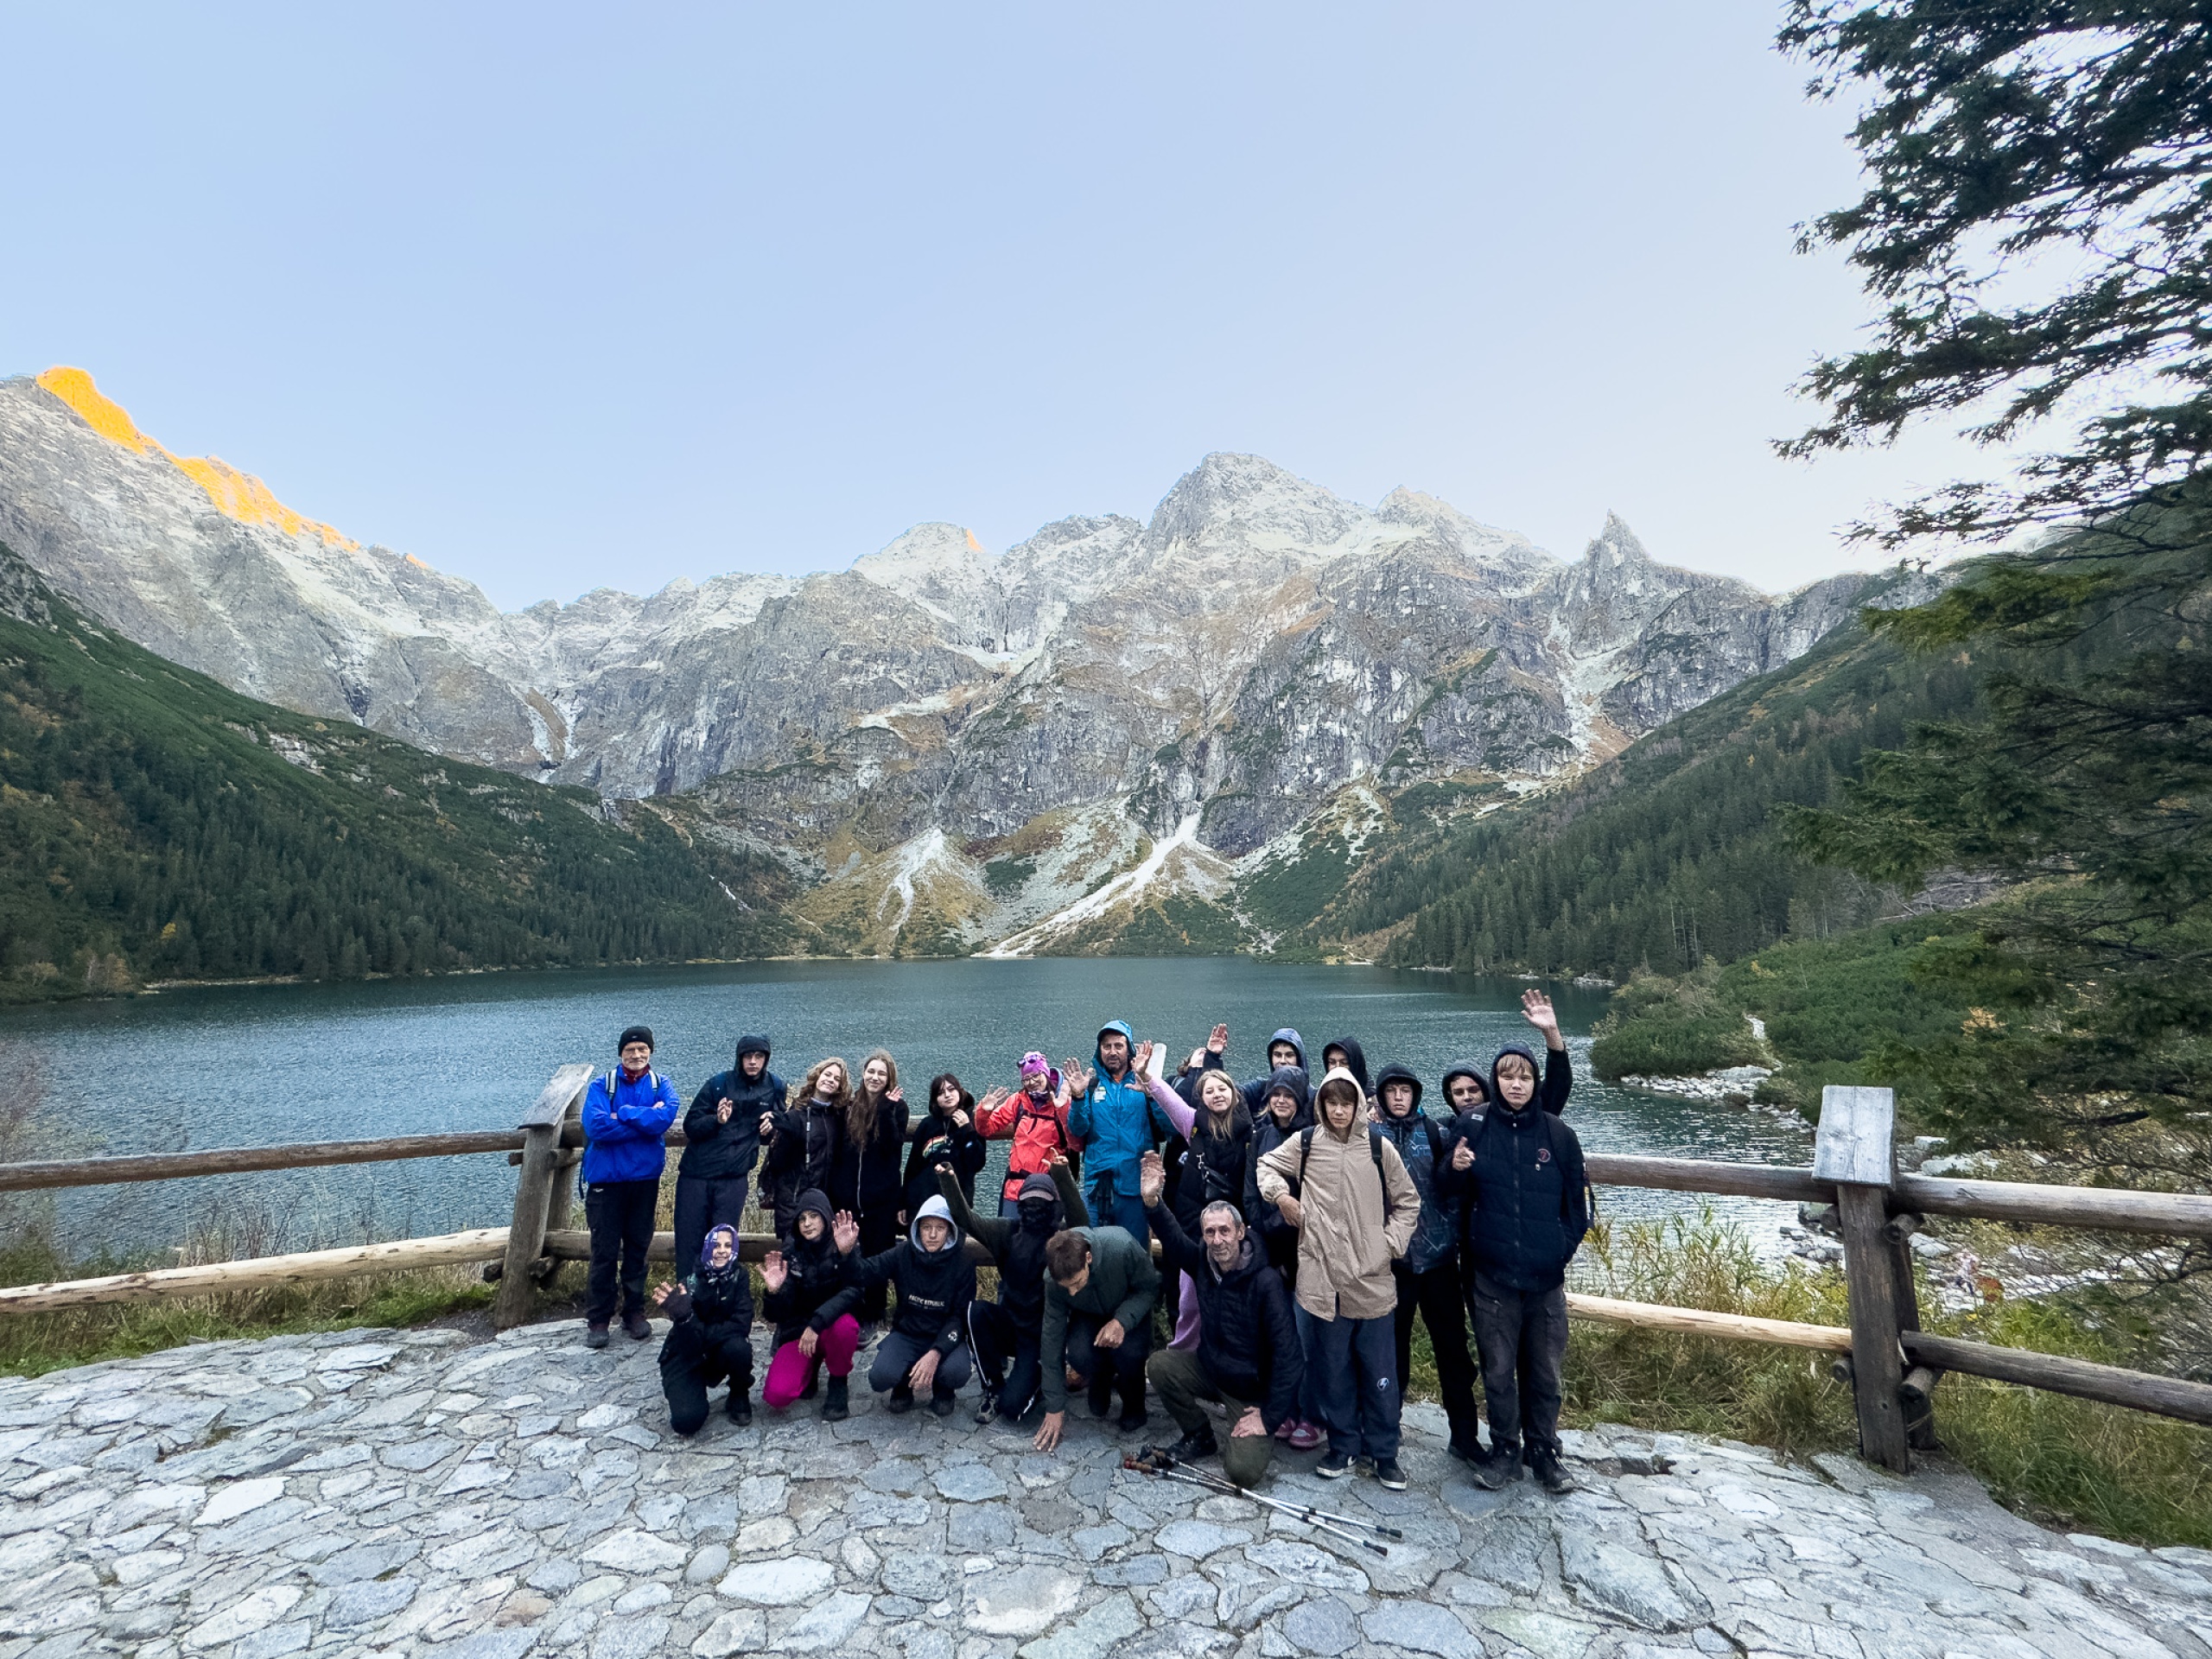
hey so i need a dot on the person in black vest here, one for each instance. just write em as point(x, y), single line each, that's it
point(709, 1335)
point(1429, 1273)
point(1004, 1333)
point(926, 1346)
point(1518, 1176)
point(721, 1133)
point(1248, 1354)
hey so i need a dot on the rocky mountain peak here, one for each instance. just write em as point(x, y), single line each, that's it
point(1229, 501)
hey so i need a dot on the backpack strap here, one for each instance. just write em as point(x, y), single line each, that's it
point(1304, 1151)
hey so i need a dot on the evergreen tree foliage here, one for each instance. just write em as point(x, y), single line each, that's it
point(159, 825)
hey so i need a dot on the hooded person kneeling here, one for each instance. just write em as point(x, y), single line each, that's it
point(709, 1335)
point(927, 1345)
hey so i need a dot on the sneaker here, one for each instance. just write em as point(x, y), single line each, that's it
point(594, 1336)
point(637, 1325)
point(1304, 1436)
point(1335, 1466)
point(740, 1407)
point(987, 1406)
point(833, 1408)
point(1392, 1479)
point(1198, 1443)
point(1501, 1468)
point(943, 1401)
point(902, 1399)
point(1551, 1475)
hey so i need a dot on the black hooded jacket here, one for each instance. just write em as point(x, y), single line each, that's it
point(814, 1274)
point(937, 1138)
point(1524, 1203)
point(1355, 1061)
point(1017, 1242)
point(1266, 1135)
point(714, 1150)
point(1247, 1337)
point(1213, 1166)
point(934, 1287)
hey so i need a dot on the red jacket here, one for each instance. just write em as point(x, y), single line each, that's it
point(1037, 1130)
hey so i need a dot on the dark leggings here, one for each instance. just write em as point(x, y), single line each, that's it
point(1006, 1354)
point(696, 1358)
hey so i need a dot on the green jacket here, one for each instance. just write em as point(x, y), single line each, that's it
point(1121, 1287)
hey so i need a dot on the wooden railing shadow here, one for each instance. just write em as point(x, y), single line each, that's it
point(1892, 1365)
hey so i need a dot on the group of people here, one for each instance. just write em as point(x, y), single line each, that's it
point(1300, 1229)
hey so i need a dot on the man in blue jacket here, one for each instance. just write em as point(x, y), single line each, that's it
point(627, 1115)
point(1115, 1120)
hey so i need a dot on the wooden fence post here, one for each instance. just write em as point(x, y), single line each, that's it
point(534, 1184)
point(1856, 1148)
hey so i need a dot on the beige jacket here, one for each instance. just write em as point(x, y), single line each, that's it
point(1344, 1245)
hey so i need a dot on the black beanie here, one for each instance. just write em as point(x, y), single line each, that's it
point(634, 1034)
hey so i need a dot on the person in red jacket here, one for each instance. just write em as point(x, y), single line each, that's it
point(1036, 1118)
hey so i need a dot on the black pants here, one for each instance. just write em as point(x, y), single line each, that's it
point(620, 1217)
point(897, 1353)
point(1438, 1297)
point(1522, 1336)
point(880, 1231)
point(1006, 1353)
point(1109, 1368)
point(703, 1203)
point(695, 1357)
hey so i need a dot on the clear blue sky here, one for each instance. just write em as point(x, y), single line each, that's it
point(558, 296)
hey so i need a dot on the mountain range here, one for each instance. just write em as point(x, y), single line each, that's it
point(1116, 734)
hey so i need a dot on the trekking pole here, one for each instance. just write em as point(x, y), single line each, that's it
point(1314, 1518)
point(1167, 1458)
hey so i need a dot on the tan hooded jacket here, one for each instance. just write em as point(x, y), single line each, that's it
point(1345, 1245)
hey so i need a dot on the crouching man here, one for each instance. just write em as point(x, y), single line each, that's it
point(1248, 1353)
point(1097, 1326)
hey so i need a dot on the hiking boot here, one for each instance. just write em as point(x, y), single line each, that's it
point(1198, 1443)
point(594, 1336)
point(987, 1406)
point(1470, 1452)
point(740, 1407)
point(902, 1399)
point(1550, 1473)
point(1391, 1477)
point(1501, 1468)
point(1304, 1436)
point(1334, 1466)
point(833, 1408)
point(943, 1400)
point(637, 1325)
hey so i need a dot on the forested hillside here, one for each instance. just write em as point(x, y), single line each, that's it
point(1671, 852)
point(158, 825)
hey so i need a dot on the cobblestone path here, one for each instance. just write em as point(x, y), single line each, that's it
point(412, 1492)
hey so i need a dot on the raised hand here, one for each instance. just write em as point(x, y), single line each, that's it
point(845, 1232)
point(1055, 1159)
point(895, 1093)
point(1144, 1056)
point(660, 1291)
point(995, 1098)
point(1152, 1178)
point(1218, 1042)
point(773, 1272)
point(767, 1126)
point(1537, 1009)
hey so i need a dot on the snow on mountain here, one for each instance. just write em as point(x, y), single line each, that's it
point(1153, 705)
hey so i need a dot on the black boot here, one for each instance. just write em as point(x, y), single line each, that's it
point(942, 1399)
point(902, 1399)
point(1101, 1392)
point(740, 1407)
point(1550, 1473)
point(1500, 1468)
point(1133, 1415)
point(833, 1408)
point(1198, 1443)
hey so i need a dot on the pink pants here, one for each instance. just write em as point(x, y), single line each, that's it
point(790, 1371)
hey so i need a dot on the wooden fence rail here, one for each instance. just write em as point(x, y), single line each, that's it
point(1894, 1367)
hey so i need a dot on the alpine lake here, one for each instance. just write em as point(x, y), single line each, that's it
point(250, 1065)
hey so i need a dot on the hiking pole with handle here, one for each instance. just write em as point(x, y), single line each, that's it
point(1160, 1464)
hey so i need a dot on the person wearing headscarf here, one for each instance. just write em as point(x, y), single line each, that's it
point(709, 1335)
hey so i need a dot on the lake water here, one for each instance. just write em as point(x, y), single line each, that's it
point(257, 1065)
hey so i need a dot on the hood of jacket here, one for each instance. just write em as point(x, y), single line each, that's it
point(750, 1044)
point(1038, 1185)
point(1395, 1073)
point(1289, 1035)
point(1292, 1078)
point(1127, 1036)
point(1536, 1073)
point(815, 1199)
point(1338, 1074)
point(1465, 1069)
point(1354, 1061)
point(938, 1209)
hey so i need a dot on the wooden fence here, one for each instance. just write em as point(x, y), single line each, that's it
point(1892, 1366)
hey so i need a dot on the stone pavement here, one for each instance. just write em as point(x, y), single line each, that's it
point(413, 1492)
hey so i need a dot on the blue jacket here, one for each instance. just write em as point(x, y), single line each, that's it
point(622, 1135)
point(1117, 1123)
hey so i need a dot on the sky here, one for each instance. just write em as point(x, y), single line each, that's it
point(558, 298)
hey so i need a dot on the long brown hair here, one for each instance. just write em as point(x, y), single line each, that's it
point(860, 1105)
point(1234, 1124)
point(814, 1076)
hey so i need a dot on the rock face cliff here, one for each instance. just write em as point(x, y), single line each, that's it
point(1029, 750)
